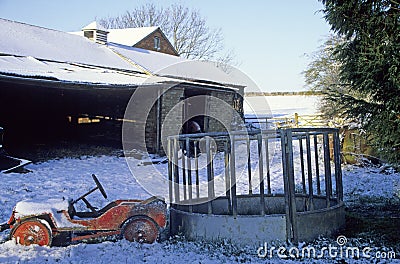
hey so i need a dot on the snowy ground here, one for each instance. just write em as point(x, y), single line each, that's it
point(70, 177)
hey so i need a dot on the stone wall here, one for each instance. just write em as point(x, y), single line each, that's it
point(167, 102)
point(170, 113)
point(214, 108)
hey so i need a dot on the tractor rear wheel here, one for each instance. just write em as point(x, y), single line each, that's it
point(140, 229)
point(32, 232)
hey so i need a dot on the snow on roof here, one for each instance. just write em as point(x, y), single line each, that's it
point(94, 25)
point(27, 50)
point(31, 67)
point(42, 43)
point(166, 65)
point(129, 36)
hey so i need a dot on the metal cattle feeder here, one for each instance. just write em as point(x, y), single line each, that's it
point(260, 186)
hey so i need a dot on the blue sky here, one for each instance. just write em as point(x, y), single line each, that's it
point(269, 38)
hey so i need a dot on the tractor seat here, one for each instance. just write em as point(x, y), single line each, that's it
point(93, 214)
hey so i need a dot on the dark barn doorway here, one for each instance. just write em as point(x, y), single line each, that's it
point(194, 109)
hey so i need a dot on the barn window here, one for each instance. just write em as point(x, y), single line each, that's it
point(156, 43)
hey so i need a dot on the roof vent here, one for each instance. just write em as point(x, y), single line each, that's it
point(95, 32)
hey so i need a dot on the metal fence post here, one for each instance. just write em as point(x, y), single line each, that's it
point(317, 164)
point(289, 185)
point(309, 173)
point(210, 180)
point(196, 168)
point(261, 172)
point(184, 171)
point(176, 171)
point(303, 175)
point(327, 166)
point(169, 151)
point(189, 175)
point(233, 177)
point(267, 165)
point(338, 168)
point(249, 165)
point(227, 176)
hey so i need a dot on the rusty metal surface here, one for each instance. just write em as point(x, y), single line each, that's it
point(32, 232)
point(140, 229)
point(109, 223)
point(136, 220)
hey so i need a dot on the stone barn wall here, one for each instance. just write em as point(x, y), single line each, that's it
point(157, 116)
point(215, 125)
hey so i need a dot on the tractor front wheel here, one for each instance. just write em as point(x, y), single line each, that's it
point(142, 230)
point(32, 232)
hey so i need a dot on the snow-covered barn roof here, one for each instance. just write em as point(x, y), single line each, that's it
point(123, 36)
point(27, 50)
point(129, 36)
point(41, 43)
point(166, 65)
point(94, 25)
point(70, 72)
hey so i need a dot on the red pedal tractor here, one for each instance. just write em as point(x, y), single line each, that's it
point(56, 222)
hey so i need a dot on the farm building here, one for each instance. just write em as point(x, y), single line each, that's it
point(148, 38)
point(56, 83)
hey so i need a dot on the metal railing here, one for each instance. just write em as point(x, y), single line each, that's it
point(301, 165)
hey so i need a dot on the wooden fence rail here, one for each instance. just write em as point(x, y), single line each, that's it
point(288, 121)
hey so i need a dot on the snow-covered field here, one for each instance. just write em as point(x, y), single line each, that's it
point(69, 177)
point(281, 105)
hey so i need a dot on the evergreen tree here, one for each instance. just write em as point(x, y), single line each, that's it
point(369, 60)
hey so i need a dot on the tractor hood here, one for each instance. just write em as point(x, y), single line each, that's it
point(30, 207)
point(56, 208)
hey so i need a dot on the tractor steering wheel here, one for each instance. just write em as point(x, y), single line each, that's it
point(99, 186)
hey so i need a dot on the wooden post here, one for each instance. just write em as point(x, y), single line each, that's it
point(296, 119)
